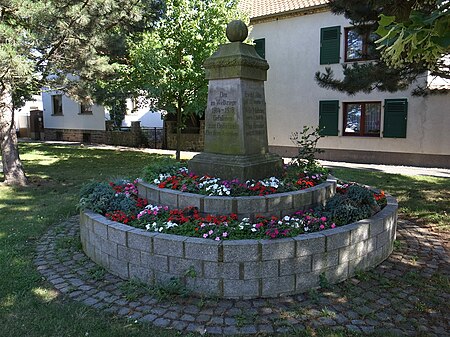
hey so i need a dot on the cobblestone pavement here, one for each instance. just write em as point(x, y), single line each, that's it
point(408, 294)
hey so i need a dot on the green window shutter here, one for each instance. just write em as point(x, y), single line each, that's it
point(260, 46)
point(395, 118)
point(330, 45)
point(328, 117)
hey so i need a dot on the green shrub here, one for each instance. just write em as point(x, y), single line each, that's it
point(165, 165)
point(356, 204)
point(96, 197)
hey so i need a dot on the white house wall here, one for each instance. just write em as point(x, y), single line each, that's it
point(292, 48)
point(71, 117)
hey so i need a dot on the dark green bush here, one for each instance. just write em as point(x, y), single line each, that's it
point(356, 204)
point(160, 166)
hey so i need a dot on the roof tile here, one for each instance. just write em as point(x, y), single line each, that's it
point(262, 8)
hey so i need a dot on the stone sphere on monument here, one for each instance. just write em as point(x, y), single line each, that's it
point(237, 31)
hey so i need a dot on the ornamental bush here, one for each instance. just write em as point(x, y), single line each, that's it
point(351, 203)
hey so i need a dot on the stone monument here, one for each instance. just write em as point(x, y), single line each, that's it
point(236, 143)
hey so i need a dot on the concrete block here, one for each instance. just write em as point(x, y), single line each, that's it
point(180, 266)
point(337, 273)
point(376, 225)
point(118, 267)
point(278, 201)
point(240, 288)
point(355, 265)
point(100, 229)
point(109, 247)
point(140, 273)
point(128, 254)
point(360, 232)
point(309, 244)
point(102, 258)
point(141, 240)
point(241, 250)
point(306, 281)
point(170, 245)
point(278, 249)
point(155, 262)
point(259, 269)
point(219, 205)
point(383, 239)
point(169, 197)
point(251, 205)
point(153, 195)
point(118, 233)
point(204, 286)
point(276, 286)
point(352, 251)
point(337, 237)
point(296, 265)
point(201, 249)
point(302, 200)
point(190, 199)
point(319, 194)
point(142, 190)
point(325, 260)
point(228, 270)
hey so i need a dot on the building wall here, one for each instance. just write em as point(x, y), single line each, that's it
point(71, 117)
point(292, 48)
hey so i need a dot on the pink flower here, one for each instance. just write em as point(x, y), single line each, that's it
point(217, 238)
point(322, 227)
point(205, 236)
point(333, 225)
point(210, 232)
point(323, 218)
point(225, 234)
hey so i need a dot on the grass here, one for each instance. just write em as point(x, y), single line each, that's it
point(29, 306)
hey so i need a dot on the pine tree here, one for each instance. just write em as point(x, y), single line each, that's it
point(44, 41)
point(399, 59)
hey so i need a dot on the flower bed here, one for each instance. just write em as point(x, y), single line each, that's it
point(241, 268)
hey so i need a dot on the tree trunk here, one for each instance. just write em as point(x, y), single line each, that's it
point(178, 145)
point(12, 166)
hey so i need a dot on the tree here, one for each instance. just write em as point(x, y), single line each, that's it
point(168, 62)
point(413, 39)
point(41, 42)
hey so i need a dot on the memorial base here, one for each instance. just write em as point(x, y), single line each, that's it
point(242, 167)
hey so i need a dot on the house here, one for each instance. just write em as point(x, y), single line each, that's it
point(29, 120)
point(68, 120)
point(299, 38)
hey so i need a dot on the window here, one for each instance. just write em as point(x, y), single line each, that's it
point(85, 109)
point(260, 47)
point(330, 45)
point(57, 105)
point(359, 46)
point(362, 119)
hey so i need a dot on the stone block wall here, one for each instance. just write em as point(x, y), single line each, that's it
point(74, 135)
point(278, 204)
point(241, 269)
point(189, 141)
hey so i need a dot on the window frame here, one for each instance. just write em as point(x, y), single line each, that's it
point(84, 111)
point(54, 111)
point(365, 46)
point(362, 132)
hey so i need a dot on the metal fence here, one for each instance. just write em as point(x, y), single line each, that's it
point(154, 136)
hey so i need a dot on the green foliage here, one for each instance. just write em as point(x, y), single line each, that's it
point(101, 198)
point(411, 45)
point(168, 62)
point(306, 141)
point(423, 38)
point(356, 204)
point(162, 166)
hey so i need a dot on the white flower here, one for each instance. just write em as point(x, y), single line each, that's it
point(147, 226)
point(286, 218)
point(253, 229)
point(160, 229)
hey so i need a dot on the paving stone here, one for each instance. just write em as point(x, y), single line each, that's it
point(389, 305)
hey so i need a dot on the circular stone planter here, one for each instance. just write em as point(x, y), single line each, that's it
point(279, 204)
point(241, 269)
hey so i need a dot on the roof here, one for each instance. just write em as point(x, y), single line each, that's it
point(266, 8)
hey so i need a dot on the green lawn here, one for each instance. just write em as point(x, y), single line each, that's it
point(29, 306)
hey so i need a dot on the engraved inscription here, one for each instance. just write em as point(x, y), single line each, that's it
point(255, 112)
point(222, 119)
